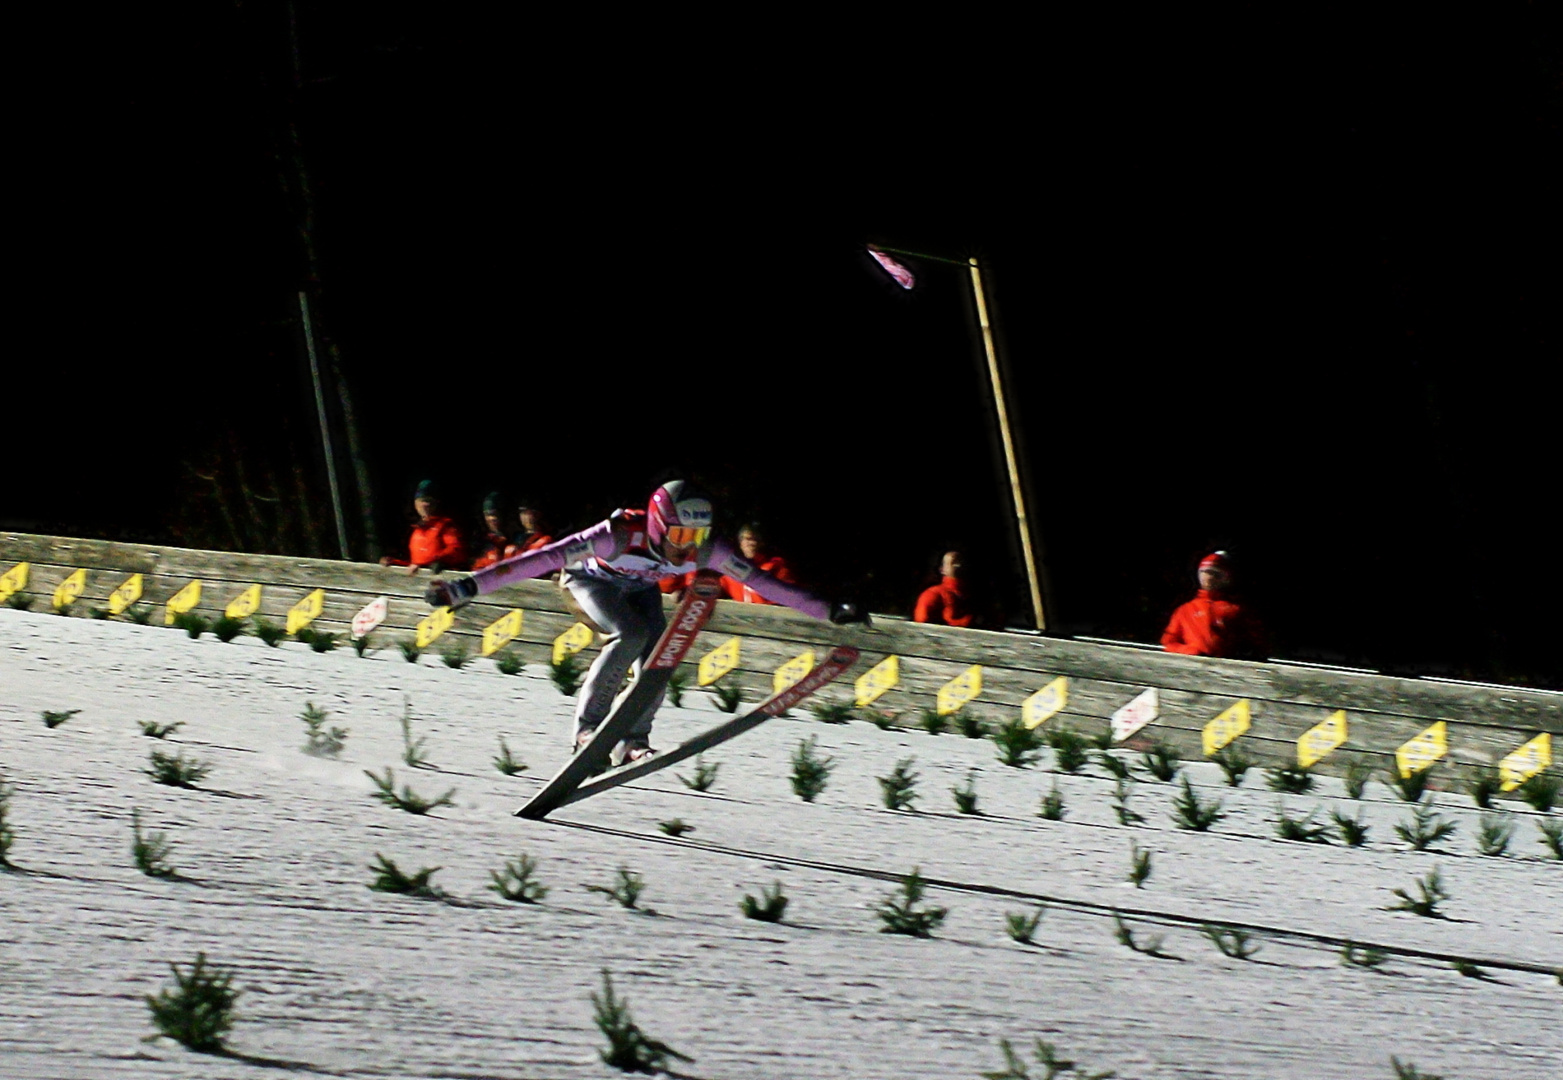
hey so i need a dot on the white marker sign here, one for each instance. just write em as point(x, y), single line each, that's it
point(372, 615)
point(1135, 715)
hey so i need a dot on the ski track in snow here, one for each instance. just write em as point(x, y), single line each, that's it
point(339, 980)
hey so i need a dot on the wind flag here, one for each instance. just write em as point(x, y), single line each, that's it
point(903, 276)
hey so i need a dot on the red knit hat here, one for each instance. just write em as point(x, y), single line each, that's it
point(1217, 559)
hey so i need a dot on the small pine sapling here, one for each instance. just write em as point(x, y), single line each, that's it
point(1122, 792)
point(412, 749)
point(1483, 787)
point(1112, 764)
point(625, 890)
point(1541, 792)
point(1426, 828)
point(7, 836)
point(508, 663)
point(1234, 763)
point(1363, 956)
point(55, 719)
point(969, 724)
point(676, 827)
point(1126, 938)
point(629, 1048)
point(1162, 761)
point(304, 635)
point(140, 614)
point(810, 772)
point(1071, 751)
point(966, 797)
point(176, 770)
point(150, 850)
point(322, 741)
point(409, 649)
point(507, 762)
point(831, 712)
point(269, 632)
point(1052, 807)
point(1139, 865)
point(1018, 746)
point(898, 790)
point(226, 629)
point(1189, 812)
point(678, 682)
point(770, 906)
point(198, 1011)
point(704, 777)
point(1022, 926)
point(903, 914)
point(390, 878)
point(1430, 893)
point(455, 655)
point(881, 718)
point(1410, 788)
point(1353, 832)
point(1303, 830)
point(932, 721)
point(406, 799)
point(1289, 780)
point(1358, 772)
point(192, 624)
point(515, 883)
point(21, 601)
point(1471, 970)
point(1494, 834)
point(322, 642)
point(1404, 1070)
point(1235, 943)
point(728, 696)
point(1552, 836)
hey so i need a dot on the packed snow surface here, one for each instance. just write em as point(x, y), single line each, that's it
point(274, 847)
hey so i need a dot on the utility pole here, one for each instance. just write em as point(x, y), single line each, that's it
point(325, 426)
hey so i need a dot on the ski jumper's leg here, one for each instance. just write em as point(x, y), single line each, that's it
point(632, 627)
point(648, 605)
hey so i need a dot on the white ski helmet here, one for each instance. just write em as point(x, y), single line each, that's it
point(677, 514)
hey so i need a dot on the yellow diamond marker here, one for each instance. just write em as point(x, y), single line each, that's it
point(68, 590)
point(501, 632)
point(792, 671)
point(873, 683)
point(13, 580)
point(960, 690)
point(245, 604)
point(306, 610)
point(1423, 750)
point(572, 641)
point(432, 625)
point(1526, 762)
point(718, 662)
point(1046, 703)
point(182, 601)
point(1321, 740)
point(1227, 725)
point(128, 593)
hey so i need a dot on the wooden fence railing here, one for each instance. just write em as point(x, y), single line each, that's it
point(1193, 703)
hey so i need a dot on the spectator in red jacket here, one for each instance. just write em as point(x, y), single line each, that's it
point(948, 602)
point(435, 543)
point(1212, 624)
point(534, 530)
point(496, 545)
point(751, 545)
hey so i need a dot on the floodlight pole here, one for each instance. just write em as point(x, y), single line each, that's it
point(325, 428)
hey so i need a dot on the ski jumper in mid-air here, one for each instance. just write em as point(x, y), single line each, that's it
point(611, 570)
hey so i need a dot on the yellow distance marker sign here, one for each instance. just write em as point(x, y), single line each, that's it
point(501, 632)
point(960, 690)
point(67, 591)
point(572, 641)
point(432, 625)
point(245, 604)
point(873, 683)
point(1422, 751)
point(718, 662)
point(13, 581)
point(1526, 762)
point(128, 593)
point(182, 601)
point(1321, 740)
point(306, 610)
point(792, 671)
point(1227, 725)
point(1046, 703)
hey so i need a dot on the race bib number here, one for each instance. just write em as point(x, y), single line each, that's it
point(127, 594)
point(182, 601)
point(793, 670)
point(873, 683)
point(960, 690)
point(718, 662)
point(1321, 740)
point(501, 632)
point(1227, 725)
point(1136, 714)
point(1422, 751)
point(1046, 703)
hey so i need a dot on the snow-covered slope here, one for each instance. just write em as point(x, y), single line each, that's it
point(274, 851)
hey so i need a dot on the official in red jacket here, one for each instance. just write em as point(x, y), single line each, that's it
point(1212, 624)
point(435, 542)
point(947, 602)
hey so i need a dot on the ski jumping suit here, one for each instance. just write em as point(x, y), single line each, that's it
point(611, 571)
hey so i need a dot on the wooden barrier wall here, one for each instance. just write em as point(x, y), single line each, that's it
point(1483, 724)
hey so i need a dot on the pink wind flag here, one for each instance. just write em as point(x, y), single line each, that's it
point(902, 275)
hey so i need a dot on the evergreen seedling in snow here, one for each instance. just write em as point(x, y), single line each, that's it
point(1471, 970)
point(388, 877)
point(1404, 1070)
point(1071, 751)
point(192, 624)
point(1410, 788)
point(768, 908)
point(966, 797)
point(152, 729)
point(625, 890)
point(676, 827)
point(1114, 766)
point(1047, 1057)
point(7, 837)
point(1483, 787)
point(1234, 763)
point(1541, 792)
point(933, 721)
point(1188, 812)
point(1018, 745)
point(408, 647)
point(629, 1048)
point(902, 914)
point(1121, 795)
point(899, 788)
point(1426, 828)
point(1363, 956)
point(810, 772)
point(1358, 773)
point(407, 799)
point(140, 614)
point(412, 749)
point(226, 629)
point(506, 762)
point(198, 1011)
point(1290, 780)
point(1552, 836)
point(456, 655)
point(269, 632)
point(566, 675)
point(1237, 944)
point(508, 663)
point(55, 719)
point(1430, 893)
point(1127, 939)
point(882, 720)
point(728, 696)
point(1052, 808)
point(1162, 761)
point(1353, 832)
point(705, 775)
point(176, 770)
point(1139, 865)
point(1493, 837)
point(320, 641)
point(1301, 829)
point(323, 741)
point(969, 724)
point(515, 882)
point(150, 850)
point(677, 683)
point(831, 712)
point(20, 601)
point(1022, 926)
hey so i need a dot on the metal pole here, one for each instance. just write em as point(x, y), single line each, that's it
point(325, 429)
point(1009, 447)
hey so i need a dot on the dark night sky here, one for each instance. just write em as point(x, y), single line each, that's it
point(1279, 289)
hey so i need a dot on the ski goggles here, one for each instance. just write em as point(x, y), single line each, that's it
point(686, 536)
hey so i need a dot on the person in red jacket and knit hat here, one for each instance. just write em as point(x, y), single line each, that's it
point(435, 542)
point(947, 602)
point(1212, 624)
